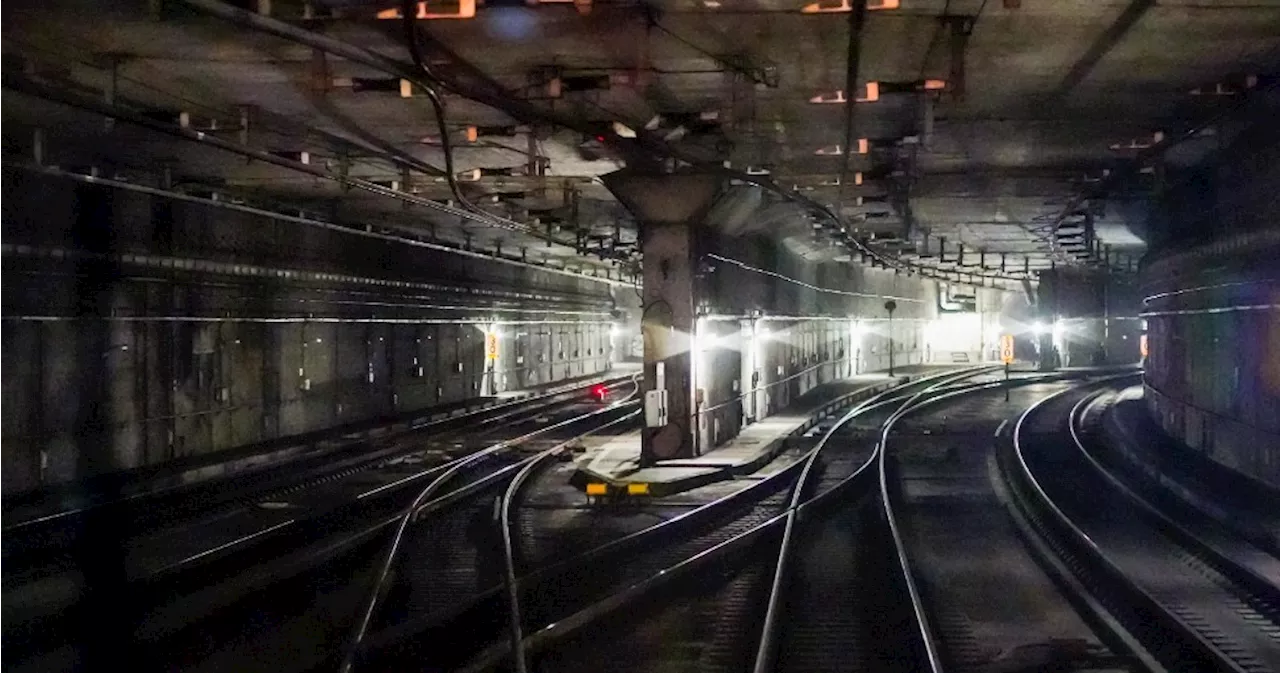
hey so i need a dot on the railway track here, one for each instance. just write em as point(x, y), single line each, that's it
point(1184, 602)
point(1220, 503)
point(827, 571)
point(168, 495)
point(556, 610)
point(978, 600)
point(254, 544)
point(1026, 554)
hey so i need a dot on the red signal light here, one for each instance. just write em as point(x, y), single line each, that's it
point(599, 391)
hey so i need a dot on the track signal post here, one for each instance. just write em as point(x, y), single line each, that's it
point(1006, 356)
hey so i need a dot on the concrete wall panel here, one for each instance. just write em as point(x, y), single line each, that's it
point(1213, 332)
point(86, 395)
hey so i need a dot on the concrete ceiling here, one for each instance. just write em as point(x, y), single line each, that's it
point(1045, 111)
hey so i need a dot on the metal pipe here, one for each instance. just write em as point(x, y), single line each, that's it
point(1212, 310)
point(485, 309)
point(1206, 288)
point(179, 196)
point(802, 318)
point(739, 398)
point(410, 25)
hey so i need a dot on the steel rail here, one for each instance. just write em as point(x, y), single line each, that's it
point(413, 425)
point(410, 514)
point(1266, 589)
point(925, 629)
point(181, 603)
point(570, 624)
point(514, 488)
point(623, 546)
point(766, 651)
point(1148, 604)
point(923, 625)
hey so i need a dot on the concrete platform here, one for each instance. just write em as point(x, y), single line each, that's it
point(616, 463)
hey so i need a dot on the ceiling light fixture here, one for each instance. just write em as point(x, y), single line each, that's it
point(623, 130)
point(1139, 144)
point(847, 6)
point(466, 10)
point(583, 6)
point(1230, 87)
point(836, 96)
point(872, 93)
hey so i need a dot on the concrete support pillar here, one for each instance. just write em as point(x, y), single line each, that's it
point(669, 208)
point(749, 371)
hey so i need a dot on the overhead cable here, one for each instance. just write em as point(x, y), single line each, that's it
point(794, 281)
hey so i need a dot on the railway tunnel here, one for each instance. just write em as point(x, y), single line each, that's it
point(680, 334)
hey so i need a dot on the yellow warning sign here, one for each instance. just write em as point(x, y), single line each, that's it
point(1006, 348)
point(491, 345)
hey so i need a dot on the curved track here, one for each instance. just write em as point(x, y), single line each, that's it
point(979, 600)
point(735, 538)
point(1191, 606)
point(200, 597)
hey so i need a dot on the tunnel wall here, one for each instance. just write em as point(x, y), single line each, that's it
point(1212, 306)
point(1213, 372)
point(227, 329)
point(772, 340)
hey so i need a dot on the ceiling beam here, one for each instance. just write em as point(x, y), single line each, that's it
point(1102, 45)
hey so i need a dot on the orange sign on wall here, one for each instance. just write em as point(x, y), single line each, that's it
point(1142, 345)
point(491, 345)
point(1006, 348)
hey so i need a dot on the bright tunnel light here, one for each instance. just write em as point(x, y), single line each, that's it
point(954, 332)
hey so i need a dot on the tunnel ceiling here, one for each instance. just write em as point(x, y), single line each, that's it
point(994, 123)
